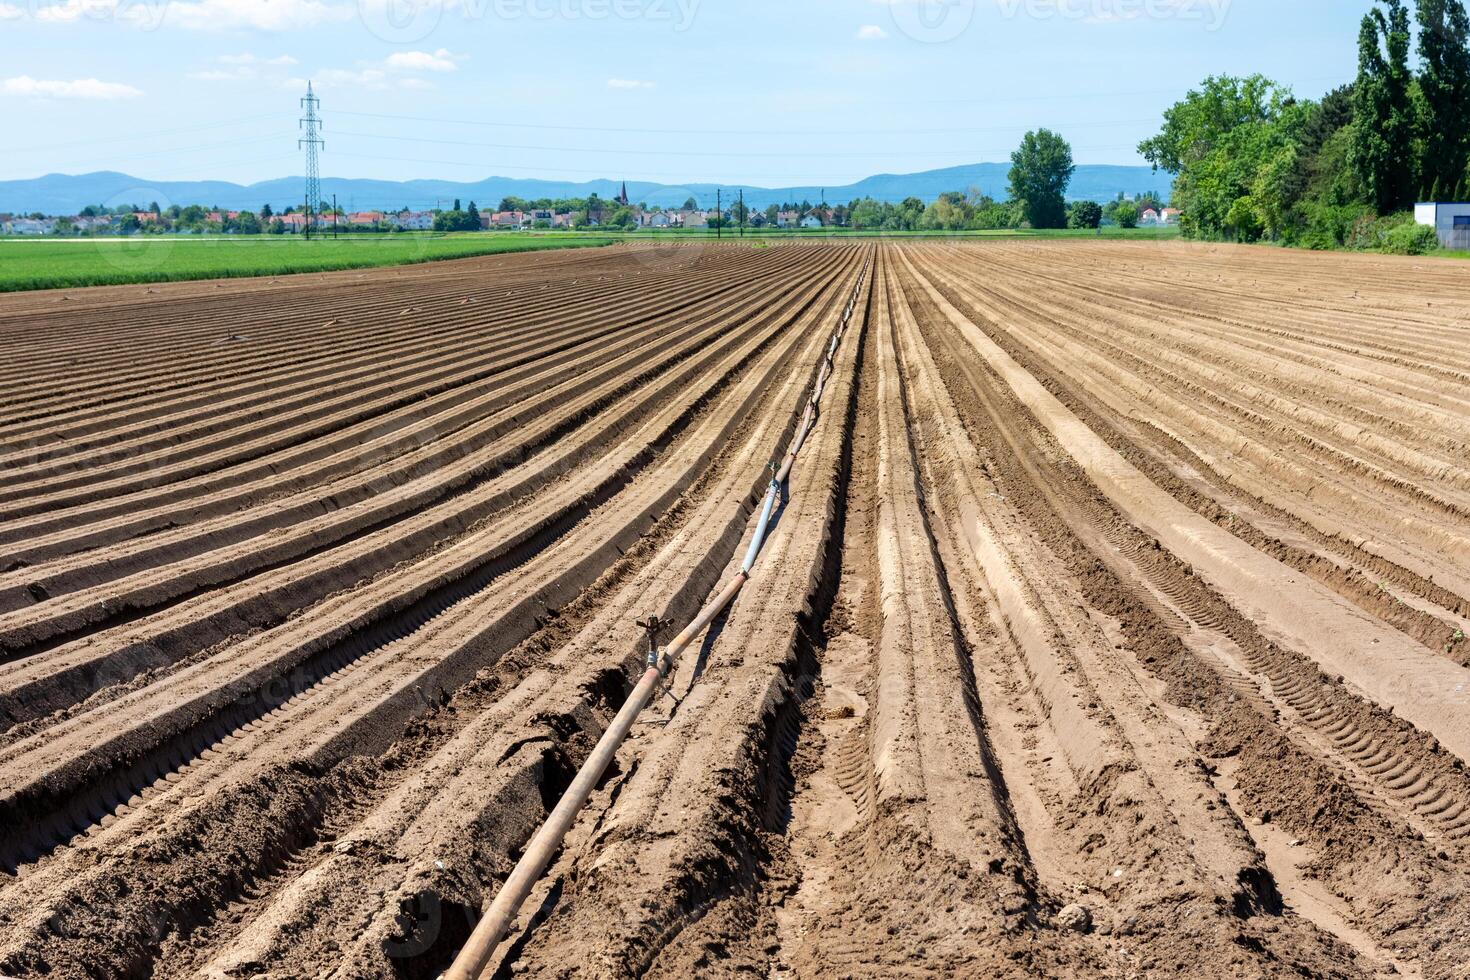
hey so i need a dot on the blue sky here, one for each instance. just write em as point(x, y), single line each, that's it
point(773, 93)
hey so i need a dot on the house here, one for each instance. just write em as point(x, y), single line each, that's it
point(505, 219)
point(787, 219)
point(692, 219)
point(1149, 217)
point(562, 220)
point(365, 218)
point(813, 219)
point(1451, 223)
point(413, 220)
point(146, 217)
point(32, 226)
point(658, 219)
point(294, 222)
point(1170, 216)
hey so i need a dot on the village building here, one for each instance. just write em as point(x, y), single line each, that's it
point(1451, 223)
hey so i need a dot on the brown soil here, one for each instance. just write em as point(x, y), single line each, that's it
point(1114, 624)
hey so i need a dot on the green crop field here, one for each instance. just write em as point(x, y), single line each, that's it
point(57, 263)
point(1144, 234)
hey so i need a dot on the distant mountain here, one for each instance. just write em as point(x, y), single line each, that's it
point(68, 194)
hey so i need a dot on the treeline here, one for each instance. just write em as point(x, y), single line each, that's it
point(1253, 162)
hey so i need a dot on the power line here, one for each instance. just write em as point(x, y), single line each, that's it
point(176, 151)
point(144, 136)
point(780, 154)
point(678, 178)
point(943, 131)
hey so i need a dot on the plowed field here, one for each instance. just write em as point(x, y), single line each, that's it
point(1113, 626)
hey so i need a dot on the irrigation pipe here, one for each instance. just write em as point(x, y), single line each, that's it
point(492, 928)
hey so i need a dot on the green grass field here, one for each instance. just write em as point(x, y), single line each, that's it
point(50, 263)
point(62, 263)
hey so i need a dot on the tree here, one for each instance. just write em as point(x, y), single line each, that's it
point(773, 214)
point(690, 205)
point(472, 218)
point(1444, 50)
point(456, 205)
point(1084, 214)
point(905, 216)
point(622, 217)
point(1194, 127)
point(1220, 141)
point(866, 213)
point(247, 224)
point(1383, 145)
point(128, 224)
point(1041, 170)
point(266, 213)
point(1126, 215)
point(949, 212)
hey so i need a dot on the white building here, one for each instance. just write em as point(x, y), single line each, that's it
point(414, 220)
point(32, 226)
point(812, 220)
point(1451, 222)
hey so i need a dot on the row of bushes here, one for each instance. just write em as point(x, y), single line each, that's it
point(1357, 227)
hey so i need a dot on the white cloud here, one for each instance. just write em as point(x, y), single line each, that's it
point(395, 71)
point(249, 59)
point(441, 60)
point(275, 15)
point(201, 15)
point(243, 67)
point(628, 83)
point(72, 10)
point(871, 32)
point(81, 88)
point(9, 11)
point(370, 78)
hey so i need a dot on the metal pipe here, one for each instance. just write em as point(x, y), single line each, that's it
point(548, 839)
point(760, 528)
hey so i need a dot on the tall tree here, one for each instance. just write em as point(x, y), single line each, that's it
point(1041, 169)
point(1444, 49)
point(1194, 127)
point(1383, 143)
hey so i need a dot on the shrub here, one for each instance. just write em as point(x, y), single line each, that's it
point(1410, 240)
point(1084, 214)
point(1395, 233)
